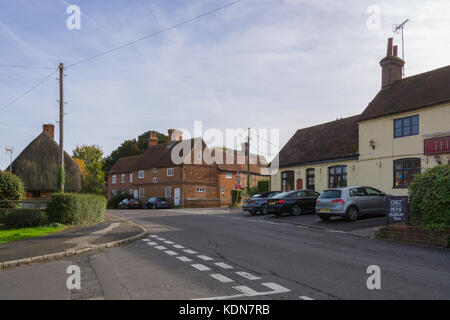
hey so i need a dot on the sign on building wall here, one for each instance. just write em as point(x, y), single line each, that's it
point(437, 146)
point(397, 209)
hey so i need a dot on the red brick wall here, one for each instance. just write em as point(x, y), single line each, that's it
point(413, 234)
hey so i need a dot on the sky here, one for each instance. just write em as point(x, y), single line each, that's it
point(264, 64)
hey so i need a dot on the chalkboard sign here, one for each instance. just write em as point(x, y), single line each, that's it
point(397, 209)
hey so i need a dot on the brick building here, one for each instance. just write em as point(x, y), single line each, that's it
point(188, 181)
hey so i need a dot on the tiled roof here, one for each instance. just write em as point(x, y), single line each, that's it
point(125, 164)
point(411, 93)
point(332, 140)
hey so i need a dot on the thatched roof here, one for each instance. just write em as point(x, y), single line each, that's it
point(37, 166)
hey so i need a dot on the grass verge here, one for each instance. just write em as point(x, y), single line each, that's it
point(10, 235)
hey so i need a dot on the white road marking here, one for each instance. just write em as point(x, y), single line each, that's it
point(169, 242)
point(171, 253)
point(206, 258)
point(221, 278)
point(184, 259)
point(305, 298)
point(161, 239)
point(223, 265)
point(247, 275)
point(154, 236)
point(178, 246)
point(160, 247)
point(223, 297)
point(151, 243)
point(200, 267)
point(145, 240)
point(276, 288)
point(190, 251)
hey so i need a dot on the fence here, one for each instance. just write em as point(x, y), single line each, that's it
point(24, 204)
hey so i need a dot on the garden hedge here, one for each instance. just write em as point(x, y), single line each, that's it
point(24, 218)
point(263, 185)
point(76, 209)
point(429, 196)
point(11, 188)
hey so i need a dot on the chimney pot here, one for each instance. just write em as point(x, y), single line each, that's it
point(50, 129)
point(153, 139)
point(395, 51)
point(389, 47)
point(175, 135)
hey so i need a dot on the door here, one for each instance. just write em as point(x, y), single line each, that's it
point(135, 194)
point(376, 200)
point(359, 198)
point(299, 184)
point(176, 196)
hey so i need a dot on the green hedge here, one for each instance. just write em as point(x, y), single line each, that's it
point(11, 188)
point(76, 209)
point(429, 196)
point(113, 203)
point(24, 218)
point(263, 185)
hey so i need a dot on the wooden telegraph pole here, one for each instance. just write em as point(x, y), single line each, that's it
point(61, 127)
point(248, 161)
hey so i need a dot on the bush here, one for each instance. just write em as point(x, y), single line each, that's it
point(113, 203)
point(2, 215)
point(24, 218)
point(236, 196)
point(429, 196)
point(253, 191)
point(11, 188)
point(76, 209)
point(263, 186)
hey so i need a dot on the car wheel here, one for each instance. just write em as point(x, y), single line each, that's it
point(264, 209)
point(252, 212)
point(352, 213)
point(296, 210)
point(324, 218)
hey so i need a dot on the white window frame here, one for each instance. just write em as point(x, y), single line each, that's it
point(229, 174)
point(155, 180)
point(168, 192)
point(114, 179)
point(155, 170)
point(141, 174)
point(201, 189)
point(131, 177)
point(170, 172)
point(122, 178)
point(223, 190)
point(141, 193)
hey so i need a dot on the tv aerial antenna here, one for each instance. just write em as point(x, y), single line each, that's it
point(11, 151)
point(398, 28)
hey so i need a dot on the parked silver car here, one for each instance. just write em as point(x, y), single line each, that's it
point(350, 202)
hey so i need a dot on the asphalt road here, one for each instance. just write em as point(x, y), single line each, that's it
point(198, 254)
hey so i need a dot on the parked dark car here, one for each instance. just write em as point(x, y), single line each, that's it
point(350, 202)
point(130, 204)
point(155, 203)
point(258, 203)
point(296, 202)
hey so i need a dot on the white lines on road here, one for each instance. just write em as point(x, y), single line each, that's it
point(223, 265)
point(184, 259)
point(206, 258)
point(153, 236)
point(145, 240)
point(178, 246)
point(247, 275)
point(221, 278)
point(171, 253)
point(152, 243)
point(200, 267)
point(169, 242)
point(275, 288)
point(161, 239)
point(305, 298)
point(160, 247)
point(190, 251)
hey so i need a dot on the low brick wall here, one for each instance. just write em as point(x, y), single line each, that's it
point(414, 234)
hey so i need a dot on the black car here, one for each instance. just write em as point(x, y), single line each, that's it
point(130, 204)
point(155, 203)
point(258, 203)
point(296, 202)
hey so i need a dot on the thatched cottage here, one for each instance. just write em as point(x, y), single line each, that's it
point(37, 166)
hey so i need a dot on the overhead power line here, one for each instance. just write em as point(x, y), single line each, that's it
point(26, 67)
point(27, 92)
point(155, 33)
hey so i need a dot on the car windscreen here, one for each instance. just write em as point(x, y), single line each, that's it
point(282, 195)
point(329, 194)
point(258, 195)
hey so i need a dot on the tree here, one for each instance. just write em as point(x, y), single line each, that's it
point(11, 188)
point(93, 179)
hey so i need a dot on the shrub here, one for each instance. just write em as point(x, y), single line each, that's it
point(24, 218)
point(76, 209)
point(2, 215)
point(429, 196)
point(236, 196)
point(263, 185)
point(113, 203)
point(11, 188)
point(253, 191)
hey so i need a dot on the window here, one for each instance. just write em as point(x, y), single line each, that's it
point(357, 192)
point(141, 193)
point(114, 179)
point(408, 126)
point(141, 174)
point(168, 192)
point(155, 179)
point(310, 179)
point(372, 192)
point(201, 189)
point(404, 171)
point(223, 190)
point(155, 170)
point(170, 172)
point(337, 176)
point(287, 180)
point(130, 192)
point(122, 178)
point(131, 177)
point(229, 175)
point(114, 193)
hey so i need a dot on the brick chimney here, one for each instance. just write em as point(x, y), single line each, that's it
point(391, 66)
point(175, 135)
point(50, 129)
point(153, 140)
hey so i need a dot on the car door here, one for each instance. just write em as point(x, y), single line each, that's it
point(310, 200)
point(301, 200)
point(358, 198)
point(376, 200)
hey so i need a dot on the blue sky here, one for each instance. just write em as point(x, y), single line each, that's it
point(283, 64)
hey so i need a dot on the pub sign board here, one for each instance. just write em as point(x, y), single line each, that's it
point(437, 145)
point(397, 209)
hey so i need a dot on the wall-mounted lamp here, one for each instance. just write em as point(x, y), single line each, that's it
point(372, 144)
point(438, 160)
point(379, 164)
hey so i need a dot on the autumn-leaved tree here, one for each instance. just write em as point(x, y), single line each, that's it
point(90, 160)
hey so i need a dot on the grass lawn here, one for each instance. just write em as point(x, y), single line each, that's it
point(9, 235)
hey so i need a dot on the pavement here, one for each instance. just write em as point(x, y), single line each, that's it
point(110, 230)
point(217, 254)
